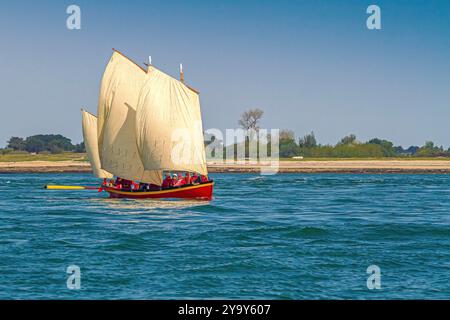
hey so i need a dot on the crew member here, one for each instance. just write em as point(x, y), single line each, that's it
point(188, 178)
point(167, 182)
point(195, 178)
point(180, 182)
point(134, 186)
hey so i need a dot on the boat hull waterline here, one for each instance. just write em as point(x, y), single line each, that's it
point(202, 191)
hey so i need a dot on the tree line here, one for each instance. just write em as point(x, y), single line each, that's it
point(347, 147)
point(289, 146)
point(52, 143)
point(350, 147)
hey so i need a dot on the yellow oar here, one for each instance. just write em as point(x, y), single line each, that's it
point(56, 187)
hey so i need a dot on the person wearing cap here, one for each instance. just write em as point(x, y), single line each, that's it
point(174, 179)
point(180, 182)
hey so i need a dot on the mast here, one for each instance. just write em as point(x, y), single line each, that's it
point(181, 73)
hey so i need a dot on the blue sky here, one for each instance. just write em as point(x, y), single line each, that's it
point(310, 65)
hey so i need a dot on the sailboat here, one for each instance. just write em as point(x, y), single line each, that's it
point(148, 123)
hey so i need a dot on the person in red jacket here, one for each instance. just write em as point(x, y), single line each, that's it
point(204, 178)
point(167, 182)
point(134, 186)
point(188, 178)
point(181, 181)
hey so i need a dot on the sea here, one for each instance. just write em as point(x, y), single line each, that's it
point(287, 236)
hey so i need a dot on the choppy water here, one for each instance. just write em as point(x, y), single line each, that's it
point(294, 236)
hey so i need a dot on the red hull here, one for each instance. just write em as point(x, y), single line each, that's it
point(202, 191)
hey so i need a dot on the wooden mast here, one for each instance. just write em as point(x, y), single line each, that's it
point(181, 73)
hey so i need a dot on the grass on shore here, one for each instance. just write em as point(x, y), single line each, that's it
point(65, 156)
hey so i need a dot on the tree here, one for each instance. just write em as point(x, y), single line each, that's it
point(387, 146)
point(79, 148)
point(34, 144)
point(58, 142)
point(250, 119)
point(429, 145)
point(400, 151)
point(350, 139)
point(48, 142)
point(412, 150)
point(287, 135)
point(54, 143)
point(16, 143)
point(308, 141)
point(430, 150)
point(287, 145)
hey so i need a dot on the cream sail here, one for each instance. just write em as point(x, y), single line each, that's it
point(119, 92)
point(148, 122)
point(89, 122)
point(169, 125)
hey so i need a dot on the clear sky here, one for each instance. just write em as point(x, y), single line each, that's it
point(310, 65)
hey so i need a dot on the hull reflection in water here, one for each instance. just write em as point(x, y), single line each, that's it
point(161, 207)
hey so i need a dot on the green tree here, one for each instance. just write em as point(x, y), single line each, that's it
point(34, 144)
point(16, 143)
point(430, 150)
point(308, 141)
point(350, 139)
point(287, 145)
point(387, 146)
point(429, 145)
point(48, 142)
point(79, 148)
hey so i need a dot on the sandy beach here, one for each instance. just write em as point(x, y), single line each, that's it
point(44, 166)
point(304, 166)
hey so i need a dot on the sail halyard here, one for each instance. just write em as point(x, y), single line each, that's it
point(89, 124)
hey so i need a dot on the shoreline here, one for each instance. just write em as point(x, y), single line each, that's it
point(304, 166)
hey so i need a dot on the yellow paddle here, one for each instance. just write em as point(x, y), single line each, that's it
point(57, 187)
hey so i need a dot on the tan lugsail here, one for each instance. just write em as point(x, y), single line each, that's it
point(89, 122)
point(169, 126)
point(119, 92)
